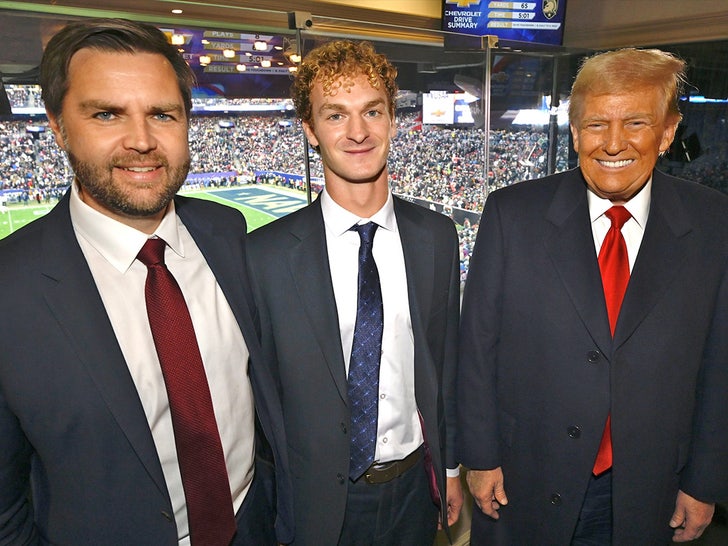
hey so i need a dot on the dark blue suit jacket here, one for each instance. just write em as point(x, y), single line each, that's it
point(539, 370)
point(300, 336)
point(71, 423)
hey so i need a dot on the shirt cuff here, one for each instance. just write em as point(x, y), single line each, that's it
point(452, 472)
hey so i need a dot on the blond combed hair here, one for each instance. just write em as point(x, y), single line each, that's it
point(626, 70)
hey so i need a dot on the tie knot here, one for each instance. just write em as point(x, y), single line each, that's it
point(152, 253)
point(618, 215)
point(366, 232)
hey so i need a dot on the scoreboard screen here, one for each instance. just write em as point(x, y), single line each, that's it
point(539, 21)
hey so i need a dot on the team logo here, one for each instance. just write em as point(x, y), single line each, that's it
point(550, 7)
point(463, 3)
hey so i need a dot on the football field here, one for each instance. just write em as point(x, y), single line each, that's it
point(259, 204)
point(13, 217)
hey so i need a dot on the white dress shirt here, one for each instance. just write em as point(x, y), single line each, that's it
point(632, 230)
point(398, 430)
point(110, 248)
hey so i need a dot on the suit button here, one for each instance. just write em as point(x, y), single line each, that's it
point(574, 432)
point(343, 428)
point(341, 478)
point(593, 356)
point(167, 515)
point(556, 499)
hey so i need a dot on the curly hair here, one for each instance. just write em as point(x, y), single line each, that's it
point(334, 65)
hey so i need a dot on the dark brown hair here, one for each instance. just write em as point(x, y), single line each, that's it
point(111, 35)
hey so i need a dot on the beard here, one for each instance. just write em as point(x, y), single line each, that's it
point(97, 179)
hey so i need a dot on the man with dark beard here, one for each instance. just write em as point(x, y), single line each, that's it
point(127, 413)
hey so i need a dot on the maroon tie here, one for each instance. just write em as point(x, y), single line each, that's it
point(614, 267)
point(199, 451)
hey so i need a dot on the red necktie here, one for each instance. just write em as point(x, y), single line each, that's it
point(199, 450)
point(614, 267)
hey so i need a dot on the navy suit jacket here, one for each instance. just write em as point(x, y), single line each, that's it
point(300, 336)
point(71, 423)
point(540, 372)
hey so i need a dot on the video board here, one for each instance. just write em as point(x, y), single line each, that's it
point(539, 21)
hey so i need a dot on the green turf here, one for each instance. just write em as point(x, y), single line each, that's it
point(254, 217)
point(16, 216)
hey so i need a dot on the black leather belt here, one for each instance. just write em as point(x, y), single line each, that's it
point(383, 473)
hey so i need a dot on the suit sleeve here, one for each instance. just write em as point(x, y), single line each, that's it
point(706, 475)
point(16, 517)
point(480, 323)
point(449, 373)
point(266, 380)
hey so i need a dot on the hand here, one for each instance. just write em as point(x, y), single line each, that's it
point(690, 518)
point(454, 499)
point(487, 489)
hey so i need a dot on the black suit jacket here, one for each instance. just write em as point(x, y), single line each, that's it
point(300, 337)
point(539, 370)
point(71, 422)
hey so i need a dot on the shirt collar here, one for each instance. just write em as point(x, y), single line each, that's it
point(638, 206)
point(118, 243)
point(339, 220)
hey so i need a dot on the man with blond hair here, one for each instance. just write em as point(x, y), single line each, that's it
point(592, 381)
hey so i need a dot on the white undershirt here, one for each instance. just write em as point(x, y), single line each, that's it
point(110, 248)
point(398, 431)
point(632, 230)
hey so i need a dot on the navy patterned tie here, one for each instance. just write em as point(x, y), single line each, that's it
point(365, 356)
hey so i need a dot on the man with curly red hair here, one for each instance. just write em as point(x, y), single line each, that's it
point(367, 449)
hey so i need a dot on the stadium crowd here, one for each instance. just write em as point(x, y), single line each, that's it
point(31, 162)
point(441, 165)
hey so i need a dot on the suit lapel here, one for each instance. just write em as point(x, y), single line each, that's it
point(69, 289)
point(309, 263)
point(419, 258)
point(418, 247)
point(665, 245)
point(223, 253)
point(571, 247)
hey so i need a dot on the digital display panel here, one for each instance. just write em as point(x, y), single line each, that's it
point(235, 64)
point(540, 21)
point(443, 108)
